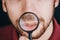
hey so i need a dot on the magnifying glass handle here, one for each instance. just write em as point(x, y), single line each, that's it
point(30, 36)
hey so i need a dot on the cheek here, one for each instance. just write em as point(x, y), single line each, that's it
point(45, 10)
point(14, 12)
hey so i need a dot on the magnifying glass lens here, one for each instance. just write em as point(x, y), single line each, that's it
point(28, 21)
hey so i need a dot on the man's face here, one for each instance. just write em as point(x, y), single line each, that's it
point(42, 8)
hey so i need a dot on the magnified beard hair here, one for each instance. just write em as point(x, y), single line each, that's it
point(28, 17)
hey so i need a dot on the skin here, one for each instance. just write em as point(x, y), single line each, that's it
point(44, 9)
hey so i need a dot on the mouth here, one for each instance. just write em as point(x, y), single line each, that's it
point(28, 26)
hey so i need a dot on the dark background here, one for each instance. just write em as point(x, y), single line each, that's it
point(4, 20)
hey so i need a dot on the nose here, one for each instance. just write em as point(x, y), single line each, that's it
point(28, 6)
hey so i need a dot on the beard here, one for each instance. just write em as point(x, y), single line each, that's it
point(38, 32)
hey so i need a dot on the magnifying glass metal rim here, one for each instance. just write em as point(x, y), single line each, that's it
point(34, 15)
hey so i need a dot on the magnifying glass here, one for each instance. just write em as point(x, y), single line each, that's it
point(28, 22)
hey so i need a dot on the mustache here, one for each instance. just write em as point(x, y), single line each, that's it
point(40, 20)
